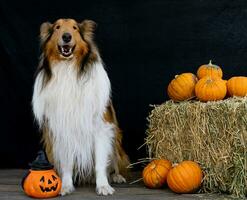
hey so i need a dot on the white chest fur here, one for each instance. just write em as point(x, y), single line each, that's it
point(81, 100)
point(73, 106)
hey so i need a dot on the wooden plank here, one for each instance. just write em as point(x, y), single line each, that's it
point(10, 188)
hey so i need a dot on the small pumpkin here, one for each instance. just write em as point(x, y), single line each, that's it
point(42, 184)
point(210, 89)
point(155, 173)
point(209, 69)
point(237, 86)
point(186, 177)
point(41, 180)
point(182, 87)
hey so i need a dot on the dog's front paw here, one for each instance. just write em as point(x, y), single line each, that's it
point(66, 189)
point(118, 178)
point(105, 190)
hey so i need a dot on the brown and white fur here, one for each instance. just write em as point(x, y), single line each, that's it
point(72, 105)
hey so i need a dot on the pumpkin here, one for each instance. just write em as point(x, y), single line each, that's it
point(155, 173)
point(210, 89)
point(237, 86)
point(42, 184)
point(209, 70)
point(182, 87)
point(186, 177)
point(41, 181)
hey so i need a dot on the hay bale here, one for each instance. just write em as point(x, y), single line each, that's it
point(214, 134)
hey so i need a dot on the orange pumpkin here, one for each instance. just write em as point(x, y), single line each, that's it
point(155, 173)
point(237, 86)
point(42, 184)
point(41, 181)
point(182, 87)
point(209, 70)
point(186, 177)
point(210, 89)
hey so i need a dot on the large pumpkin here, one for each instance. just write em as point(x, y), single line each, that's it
point(42, 184)
point(209, 70)
point(186, 177)
point(182, 87)
point(155, 173)
point(237, 86)
point(210, 89)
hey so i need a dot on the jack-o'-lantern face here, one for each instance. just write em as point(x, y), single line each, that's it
point(48, 184)
point(42, 183)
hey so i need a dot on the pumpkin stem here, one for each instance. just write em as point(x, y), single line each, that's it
point(174, 164)
point(153, 166)
point(210, 62)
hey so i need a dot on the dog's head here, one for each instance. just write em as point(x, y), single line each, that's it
point(66, 38)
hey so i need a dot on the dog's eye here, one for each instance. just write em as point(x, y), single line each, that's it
point(74, 27)
point(57, 27)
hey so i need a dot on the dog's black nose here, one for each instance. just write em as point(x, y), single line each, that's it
point(66, 37)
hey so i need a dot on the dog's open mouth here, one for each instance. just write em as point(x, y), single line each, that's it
point(66, 50)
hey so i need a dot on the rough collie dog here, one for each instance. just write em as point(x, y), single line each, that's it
point(72, 105)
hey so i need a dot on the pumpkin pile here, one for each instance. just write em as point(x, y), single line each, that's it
point(208, 85)
point(185, 177)
point(211, 133)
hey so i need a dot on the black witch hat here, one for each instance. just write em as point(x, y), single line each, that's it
point(41, 162)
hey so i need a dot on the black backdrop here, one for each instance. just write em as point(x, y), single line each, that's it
point(143, 44)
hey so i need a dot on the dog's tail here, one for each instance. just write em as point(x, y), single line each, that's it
point(122, 159)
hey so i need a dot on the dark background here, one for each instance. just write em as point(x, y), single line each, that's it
point(143, 44)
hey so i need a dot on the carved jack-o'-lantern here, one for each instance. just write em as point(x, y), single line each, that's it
point(41, 181)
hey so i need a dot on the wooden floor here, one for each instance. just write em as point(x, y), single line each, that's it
point(10, 189)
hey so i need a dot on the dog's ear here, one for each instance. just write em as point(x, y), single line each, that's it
point(45, 32)
point(87, 28)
